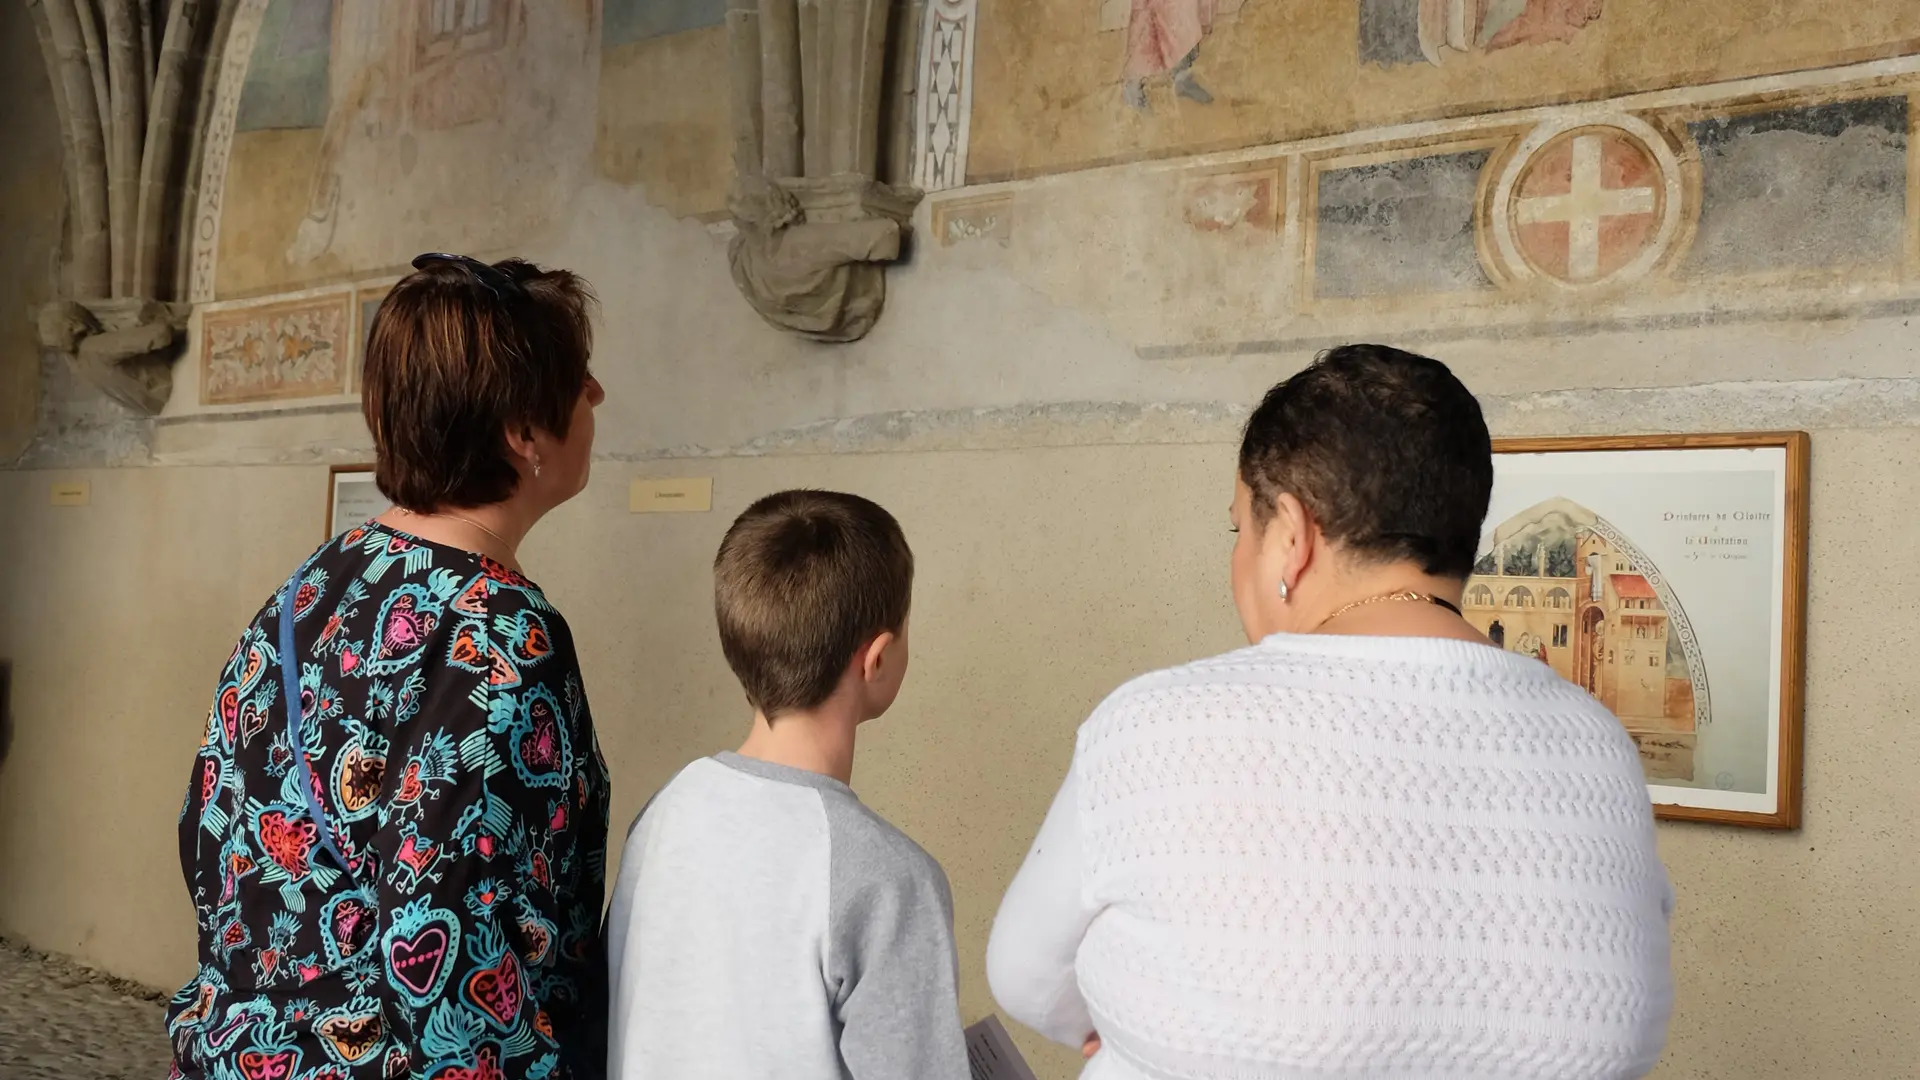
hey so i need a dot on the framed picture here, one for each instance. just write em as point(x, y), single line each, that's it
point(352, 498)
point(1665, 575)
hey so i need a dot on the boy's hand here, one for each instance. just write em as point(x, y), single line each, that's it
point(1091, 1046)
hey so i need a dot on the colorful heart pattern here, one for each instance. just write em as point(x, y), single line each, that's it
point(405, 629)
point(352, 1037)
point(260, 1065)
point(468, 651)
point(288, 844)
point(405, 626)
point(496, 991)
point(417, 855)
point(418, 960)
point(411, 786)
point(253, 720)
point(347, 924)
point(502, 675)
point(459, 673)
point(485, 1066)
point(357, 780)
point(421, 946)
point(539, 940)
point(541, 753)
point(473, 599)
point(229, 709)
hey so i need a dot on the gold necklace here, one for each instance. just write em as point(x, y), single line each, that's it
point(458, 517)
point(1402, 596)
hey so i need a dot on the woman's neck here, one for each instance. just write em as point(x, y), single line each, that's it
point(494, 531)
point(1396, 603)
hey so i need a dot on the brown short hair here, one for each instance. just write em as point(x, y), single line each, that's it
point(455, 360)
point(802, 580)
point(1386, 449)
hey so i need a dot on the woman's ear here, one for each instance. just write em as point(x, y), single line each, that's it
point(1288, 538)
point(520, 442)
point(523, 445)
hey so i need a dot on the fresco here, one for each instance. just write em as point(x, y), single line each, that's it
point(371, 130)
point(1065, 84)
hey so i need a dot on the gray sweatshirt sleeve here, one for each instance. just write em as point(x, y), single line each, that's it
point(890, 958)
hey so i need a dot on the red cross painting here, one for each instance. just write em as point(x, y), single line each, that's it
point(1588, 203)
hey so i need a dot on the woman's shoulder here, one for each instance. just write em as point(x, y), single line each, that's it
point(466, 584)
point(1157, 688)
point(1329, 669)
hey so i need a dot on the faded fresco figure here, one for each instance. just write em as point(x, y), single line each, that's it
point(1394, 32)
point(1536, 22)
point(1163, 38)
point(429, 102)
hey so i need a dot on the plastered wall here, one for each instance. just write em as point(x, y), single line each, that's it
point(1047, 576)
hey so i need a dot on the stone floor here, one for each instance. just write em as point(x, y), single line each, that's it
point(60, 1021)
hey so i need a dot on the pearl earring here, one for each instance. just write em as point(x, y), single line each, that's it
point(1283, 592)
point(536, 465)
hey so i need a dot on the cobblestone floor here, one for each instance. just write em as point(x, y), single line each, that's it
point(60, 1021)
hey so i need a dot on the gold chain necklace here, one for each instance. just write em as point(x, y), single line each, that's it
point(458, 517)
point(1402, 596)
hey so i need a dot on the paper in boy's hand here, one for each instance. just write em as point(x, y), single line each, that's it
point(991, 1053)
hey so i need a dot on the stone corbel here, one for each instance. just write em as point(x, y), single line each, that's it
point(125, 347)
point(810, 255)
point(133, 88)
point(816, 228)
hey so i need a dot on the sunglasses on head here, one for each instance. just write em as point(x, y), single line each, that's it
point(497, 283)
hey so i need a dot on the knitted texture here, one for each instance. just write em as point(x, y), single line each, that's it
point(1370, 857)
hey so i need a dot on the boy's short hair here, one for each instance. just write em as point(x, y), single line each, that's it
point(802, 580)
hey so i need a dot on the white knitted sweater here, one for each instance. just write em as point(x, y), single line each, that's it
point(1346, 856)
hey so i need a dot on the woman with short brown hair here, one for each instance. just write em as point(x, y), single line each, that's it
point(395, 831)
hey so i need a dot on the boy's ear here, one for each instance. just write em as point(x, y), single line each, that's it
point(873, 659)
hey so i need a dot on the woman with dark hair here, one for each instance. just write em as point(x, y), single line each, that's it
point(395, 830)
point(1371, 844)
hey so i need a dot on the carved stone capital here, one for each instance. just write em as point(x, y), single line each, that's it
point(126, 346)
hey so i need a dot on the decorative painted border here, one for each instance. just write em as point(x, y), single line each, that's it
point(347, 351)
point(1307, 210)
point(1273, 173)
point(985, 217)
point(1675, 206)
point(219, 146)
point(1526, 305)
point(943, 109)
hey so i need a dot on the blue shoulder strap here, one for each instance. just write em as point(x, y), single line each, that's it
point(290, 678)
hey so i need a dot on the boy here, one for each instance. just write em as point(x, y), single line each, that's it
point(766, 923)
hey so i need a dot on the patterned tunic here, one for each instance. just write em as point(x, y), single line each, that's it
point(454, 757)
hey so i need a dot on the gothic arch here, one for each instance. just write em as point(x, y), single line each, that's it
point(1577, 519)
